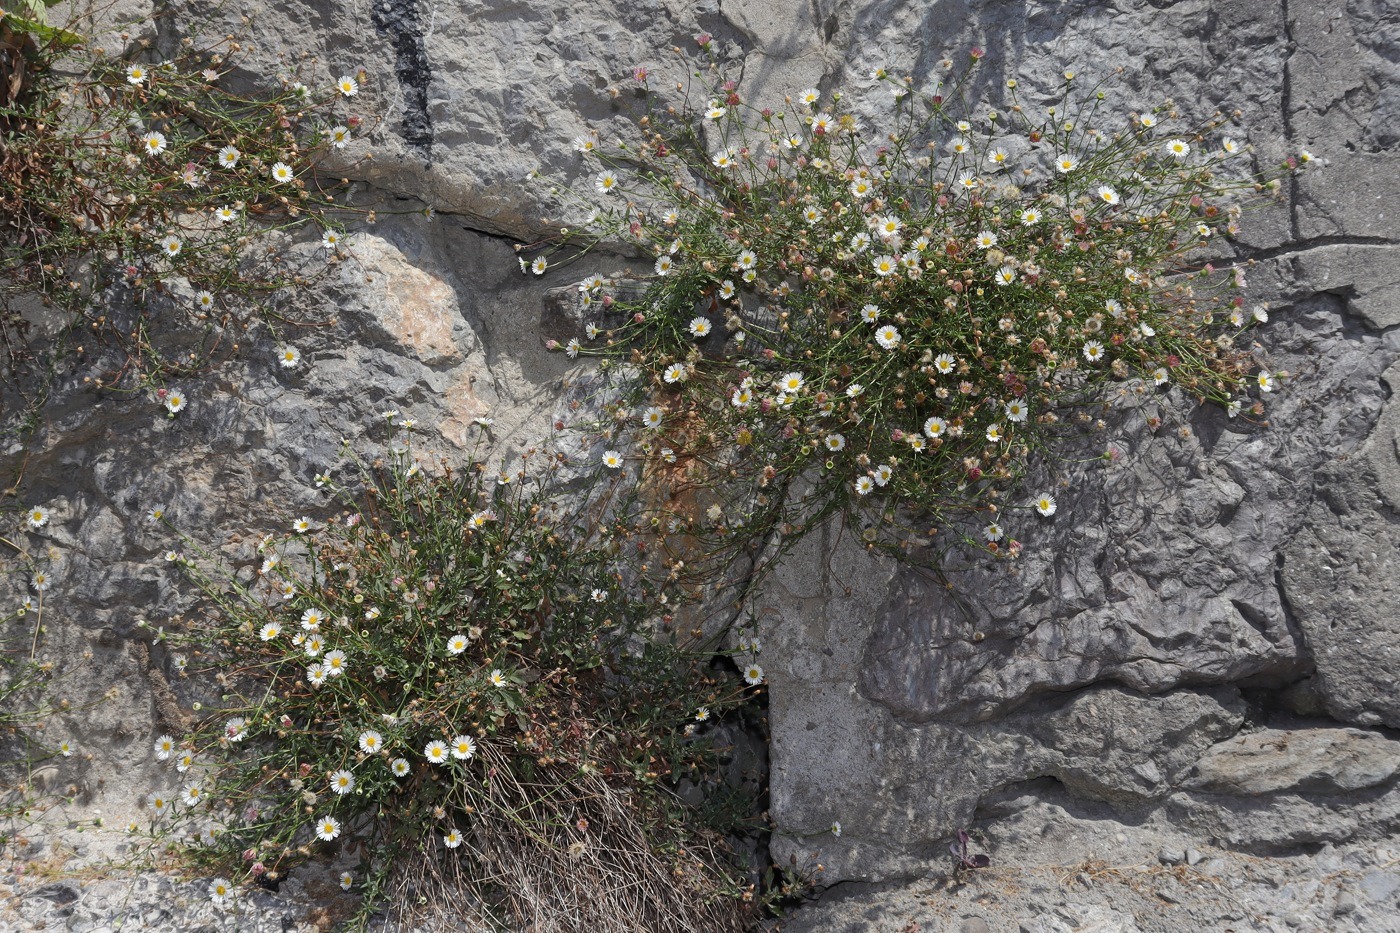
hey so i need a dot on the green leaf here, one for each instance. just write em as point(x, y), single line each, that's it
point(40, 29)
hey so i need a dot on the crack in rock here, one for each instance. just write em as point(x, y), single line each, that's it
point(402, 22)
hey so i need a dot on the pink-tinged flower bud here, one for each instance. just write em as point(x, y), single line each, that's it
point(974, 474)
point(551, 345)
point(976, 53)
point(897, 435)
point(638, 318)
point(704, 39)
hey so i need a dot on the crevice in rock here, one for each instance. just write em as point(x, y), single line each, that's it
point(1298, 247)
point(1286, 103)
point(402, 22)
point(1290, 619)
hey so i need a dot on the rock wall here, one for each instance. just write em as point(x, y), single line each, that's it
point(1198, 652)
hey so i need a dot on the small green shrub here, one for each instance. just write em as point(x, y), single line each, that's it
point(896, 322)
point(477, 693)
point(135, 193)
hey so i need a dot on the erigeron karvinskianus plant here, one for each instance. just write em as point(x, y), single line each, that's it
point(477, 689)
point(138, 196)
point(899, 320)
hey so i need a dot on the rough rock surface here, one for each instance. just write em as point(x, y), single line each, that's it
point(1196, 655)
point(1218, 561)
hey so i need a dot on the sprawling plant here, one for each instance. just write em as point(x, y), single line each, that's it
point(898, 320)
point(135, 190)
point(479, 693)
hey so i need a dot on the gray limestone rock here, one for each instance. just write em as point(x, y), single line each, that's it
point(1095, 689)
point(1308, 761)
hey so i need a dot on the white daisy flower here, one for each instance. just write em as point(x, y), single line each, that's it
point(342, 782)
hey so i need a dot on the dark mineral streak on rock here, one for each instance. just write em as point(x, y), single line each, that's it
point(402, 22)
